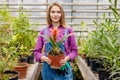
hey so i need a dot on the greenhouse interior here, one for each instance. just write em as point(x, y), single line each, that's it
point(91, 50)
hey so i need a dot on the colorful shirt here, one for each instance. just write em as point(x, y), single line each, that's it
point(70, 43)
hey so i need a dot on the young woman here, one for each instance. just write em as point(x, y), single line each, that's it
point(56, 18)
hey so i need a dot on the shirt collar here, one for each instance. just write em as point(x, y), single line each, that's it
point(51, 26)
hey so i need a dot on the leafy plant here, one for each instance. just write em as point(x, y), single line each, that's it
point(104, 42)
point(7, 54)
point(81, 40)
point(76, 72)
point(115, 74)
point(23, 38)
point(5, 27)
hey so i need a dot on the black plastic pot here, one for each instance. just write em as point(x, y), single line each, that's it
point(100, 64)
point(87, 59)
point(30, 59)
point(94, 65)
point(107, 79)
point(103, 74)
point(12, 72)
point(23, 59)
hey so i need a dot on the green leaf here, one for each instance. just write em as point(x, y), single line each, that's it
point(110, 0)
point(45, 37)
point(115, 3)
point(95, 23)
point(52, 42)
point(82, 24)
point(65, 37)
point(114, 10)
point(110, 42)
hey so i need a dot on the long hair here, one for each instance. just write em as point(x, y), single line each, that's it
point(62, 20)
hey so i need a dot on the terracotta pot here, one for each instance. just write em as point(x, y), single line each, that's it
point(22, 69)
point(56, 60)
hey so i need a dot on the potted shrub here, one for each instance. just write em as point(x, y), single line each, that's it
point(7, 61)
point(81, 43)
point(21, 41)
point(23, 38)
point(7, 53)
point(15, 40)
point(103, 43)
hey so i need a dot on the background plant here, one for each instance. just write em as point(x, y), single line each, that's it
point(23, 38)
point(81, 40)
point(104, 42)
point(7, 54)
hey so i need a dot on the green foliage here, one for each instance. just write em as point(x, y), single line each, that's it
point(104, 42)
point(81, 40)
point(77, 72)
point(15, 39)
point(114, 73)
point(23, 38)
point(5, 27)
point(7, 54)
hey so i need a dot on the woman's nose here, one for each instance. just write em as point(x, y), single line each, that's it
point(56, 13)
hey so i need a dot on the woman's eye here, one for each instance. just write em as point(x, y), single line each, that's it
point(55, 12)
point(58, 11)
point(52, 11)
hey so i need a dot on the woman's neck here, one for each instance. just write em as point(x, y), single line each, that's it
point(56, 24)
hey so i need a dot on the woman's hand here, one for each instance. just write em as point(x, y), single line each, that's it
point(63, 61)
point(46, 59)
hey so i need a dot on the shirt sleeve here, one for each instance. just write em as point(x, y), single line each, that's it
point(38, 47)
point(72, 45)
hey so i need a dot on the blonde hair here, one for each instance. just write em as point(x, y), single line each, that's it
point(62, 20)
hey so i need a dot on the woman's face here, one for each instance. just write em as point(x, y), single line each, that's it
point(55, 14)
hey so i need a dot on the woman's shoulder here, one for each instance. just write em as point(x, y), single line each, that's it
point(43, 30)
point(69, 28)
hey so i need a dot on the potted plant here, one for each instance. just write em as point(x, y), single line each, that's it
point(15, 40)
point(23, 38)
point(103, 44)
point(7, 52)
point(7, 61)
point(55, 53)
point(81, 41)
point(22, 41)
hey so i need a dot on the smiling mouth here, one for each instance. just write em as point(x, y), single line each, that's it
point(55, 18)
